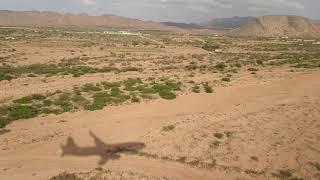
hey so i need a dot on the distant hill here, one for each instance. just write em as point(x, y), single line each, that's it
point(185, 25)
point(291, 26)
point(48, 18)
point(228, 23)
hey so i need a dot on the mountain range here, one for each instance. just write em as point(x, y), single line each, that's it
point(236, 26)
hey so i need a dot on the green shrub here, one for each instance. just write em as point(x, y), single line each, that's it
point(22, 112)
point(226, 79)
point(238, 65)
point(167, 95)
point(173, 85)
point(79, 100)
point(130, 84)
point(5, 76)
point(3, 122)
point(135, 43)
point(260, 62)
point(50, 111)
point(135, 99)
point(146, 90)
point(218, 135)
point(100, 100)
point(220, 66)
point(29, 99)
point(167, 86)
point(191, 67)
point(64, 102)
point(24, 100)
point(90, 87)
point(47, 102)
point(196, 89)
point(207, 88)
point(168, 128)
point(109, 85)
point(115, 91)
point(38, 97)
point(209, 46)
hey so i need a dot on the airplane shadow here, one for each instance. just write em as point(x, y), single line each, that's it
point(102, 149)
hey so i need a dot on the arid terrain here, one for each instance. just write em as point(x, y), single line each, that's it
point(83, 104)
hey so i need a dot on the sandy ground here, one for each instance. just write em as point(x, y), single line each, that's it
point(269, 131)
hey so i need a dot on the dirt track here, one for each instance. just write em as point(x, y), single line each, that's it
point(267, 128)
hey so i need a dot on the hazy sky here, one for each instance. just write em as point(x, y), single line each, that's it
point(172, 10)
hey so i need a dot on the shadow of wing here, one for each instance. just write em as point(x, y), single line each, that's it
point(98, 142)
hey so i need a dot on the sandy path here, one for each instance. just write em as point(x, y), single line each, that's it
point(277, 122)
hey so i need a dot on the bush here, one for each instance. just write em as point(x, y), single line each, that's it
point(100, 100)
point(38, 97)
point(238, 65)
point(3, 122)
point(168, 128)
point(47, 102)
point(90, 87)
point(218, 135)
point(29, 99)
point(135, 99)
point(24, 100)
point(64, 102)
point(167, 95)
point(207, 88)
point(260, 62)
point(196, 89)
point(80, 100)
point(226, 79)
point(167, 86)
point(220, 66)
point(22, 112)
point(135, 43)
point(210, 46)
point(5, 76)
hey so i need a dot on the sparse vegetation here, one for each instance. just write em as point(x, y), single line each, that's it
point(88, 97)
point(218, 135)
point(210, 46)
point(226, 79)
point(168, 128)
point(207, 88)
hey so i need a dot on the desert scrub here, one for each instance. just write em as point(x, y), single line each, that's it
point(64, 101)
point(91, 87)
point(10, 72)
point(100, 100)
point(218, 135)
point(196, 89)
point(29, 99)
point(88, 97)
point(226, 79)
point(22, 112)
point(3, 122)
point(167, 95)
point(168, 128)
point(165, 89)
point(210, 46)
point(220, 66)
point(207, 88)
point(135, 99)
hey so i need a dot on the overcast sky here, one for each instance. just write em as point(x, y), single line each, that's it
point(172, 10)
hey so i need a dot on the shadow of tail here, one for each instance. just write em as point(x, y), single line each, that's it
point(69, 148)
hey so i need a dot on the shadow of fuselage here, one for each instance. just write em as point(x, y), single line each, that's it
point(104, 150)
